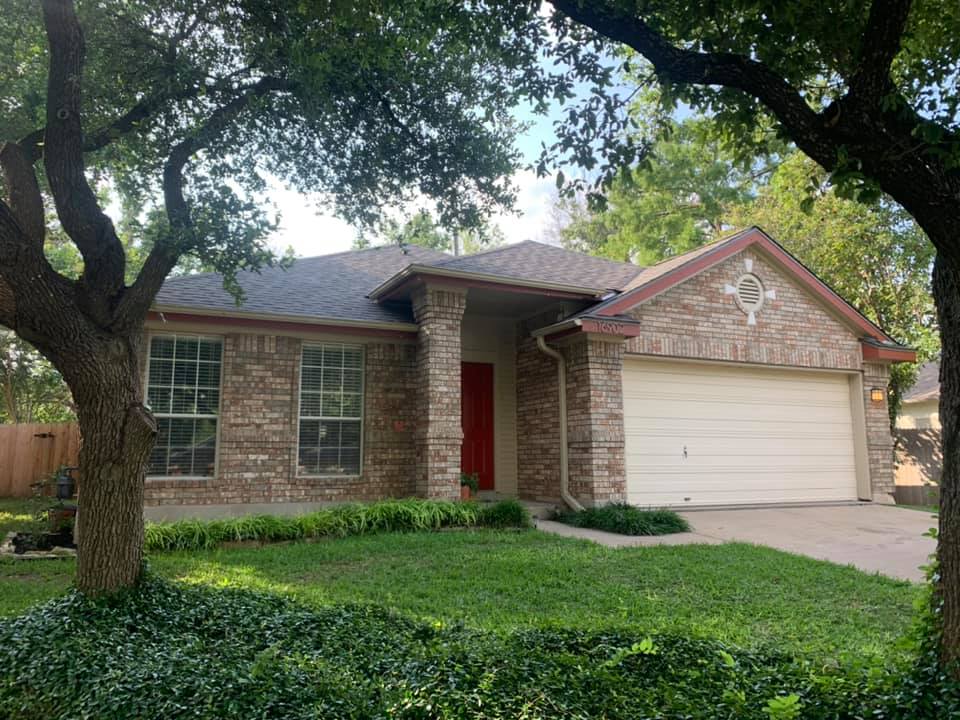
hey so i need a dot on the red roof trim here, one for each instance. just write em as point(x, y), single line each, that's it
point(279, 325)
point(754, 236)
point(598, 326)
point(888, 354)
point(610, 327)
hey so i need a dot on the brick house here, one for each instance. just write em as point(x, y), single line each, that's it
point(728, 375)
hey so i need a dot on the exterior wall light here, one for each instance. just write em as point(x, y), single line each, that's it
point(877, 395)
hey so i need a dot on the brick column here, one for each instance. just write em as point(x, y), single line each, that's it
point(595, 418)
point(879, 439)
point(439, 312)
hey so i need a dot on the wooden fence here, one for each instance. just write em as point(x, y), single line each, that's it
point(32, 452)
point(919, 464)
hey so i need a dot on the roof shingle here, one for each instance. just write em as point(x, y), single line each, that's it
point(327, 286)
point(535, 261)
point(336, 286)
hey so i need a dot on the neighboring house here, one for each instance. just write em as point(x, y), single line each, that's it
point(920, 407)
point(919, 454)
point(729, 375)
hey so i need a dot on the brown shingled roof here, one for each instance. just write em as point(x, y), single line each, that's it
point(328, 286)
point(539, 262)
point(927, 386)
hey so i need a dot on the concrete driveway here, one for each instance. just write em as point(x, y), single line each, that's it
point(874, 538)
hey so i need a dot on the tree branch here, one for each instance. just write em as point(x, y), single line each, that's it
point(878, 47)
point(76, 203)
point(23, 192)
point(921, 182)
point(10, 235)
point(166, 251)
point(687, 66)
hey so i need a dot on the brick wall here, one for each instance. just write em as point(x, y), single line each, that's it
point(439, 313)
point(538, 422)
point(879, 440)
point(256, 450)
point(697, 320)
point(595, 418)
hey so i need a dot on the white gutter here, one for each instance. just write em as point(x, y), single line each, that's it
point(569, 499)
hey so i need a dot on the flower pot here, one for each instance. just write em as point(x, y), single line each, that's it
point(464, 492)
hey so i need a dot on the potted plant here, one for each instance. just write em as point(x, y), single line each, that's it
point(469, 485)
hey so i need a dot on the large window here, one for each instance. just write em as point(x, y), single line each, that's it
point(331, 409)
point(183, 391)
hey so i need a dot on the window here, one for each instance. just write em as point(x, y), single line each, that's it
point(331, 409)
point(183, 391)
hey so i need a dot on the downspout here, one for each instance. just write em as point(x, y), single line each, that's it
point(569, 499)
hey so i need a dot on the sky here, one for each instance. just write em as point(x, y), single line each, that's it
point(311, 233)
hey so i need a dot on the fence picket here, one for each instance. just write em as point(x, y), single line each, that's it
point(32, 452)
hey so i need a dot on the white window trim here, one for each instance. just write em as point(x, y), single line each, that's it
point(217, 417)
point(363, 412)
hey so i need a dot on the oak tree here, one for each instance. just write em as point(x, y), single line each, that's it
point(185, 108)
point(865, 88)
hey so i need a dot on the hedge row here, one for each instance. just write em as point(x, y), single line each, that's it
point(170, 651)
point(338, 521)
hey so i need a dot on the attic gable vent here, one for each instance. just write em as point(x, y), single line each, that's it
point(749, 293)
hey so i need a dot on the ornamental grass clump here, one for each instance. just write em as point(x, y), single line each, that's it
point(626, 519)
point(338, 521)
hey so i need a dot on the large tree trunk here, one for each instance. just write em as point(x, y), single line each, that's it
point(117, 435)
point(946, 292)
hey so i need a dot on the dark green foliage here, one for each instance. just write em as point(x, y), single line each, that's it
point(626, 520)
point(504, 514)
point(339, 521)
point(169, 651)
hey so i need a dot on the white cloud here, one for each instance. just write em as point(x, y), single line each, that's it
point(304, 227)
point(534, 200)
point(310, 232)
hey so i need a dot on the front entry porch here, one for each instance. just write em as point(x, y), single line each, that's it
point(489, 398)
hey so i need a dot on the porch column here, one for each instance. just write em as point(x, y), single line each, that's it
point(595, 418)
point(439, 313)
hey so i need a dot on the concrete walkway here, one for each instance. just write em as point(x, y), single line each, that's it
point(873, 538)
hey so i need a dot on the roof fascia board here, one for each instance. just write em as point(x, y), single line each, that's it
point(592, 325)
point(875, 352)
point(296, 323)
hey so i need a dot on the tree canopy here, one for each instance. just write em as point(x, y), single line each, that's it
point(185, 109)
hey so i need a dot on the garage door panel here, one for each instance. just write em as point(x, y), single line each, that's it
point(663, 404)
point(751, 435)
point(689, 430)
point(728, 496)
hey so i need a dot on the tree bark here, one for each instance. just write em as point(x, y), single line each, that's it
point(117, 434)
point(946, 292)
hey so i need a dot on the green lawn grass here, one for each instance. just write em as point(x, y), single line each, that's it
point(748, 595)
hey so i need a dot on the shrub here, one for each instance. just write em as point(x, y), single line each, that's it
point(338, 521)
point(170, 651)
point(626, 520)
point(504, 514)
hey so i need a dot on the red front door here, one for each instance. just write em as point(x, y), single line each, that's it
point(476, 402)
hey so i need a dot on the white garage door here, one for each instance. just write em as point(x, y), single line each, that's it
point(707, 434)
